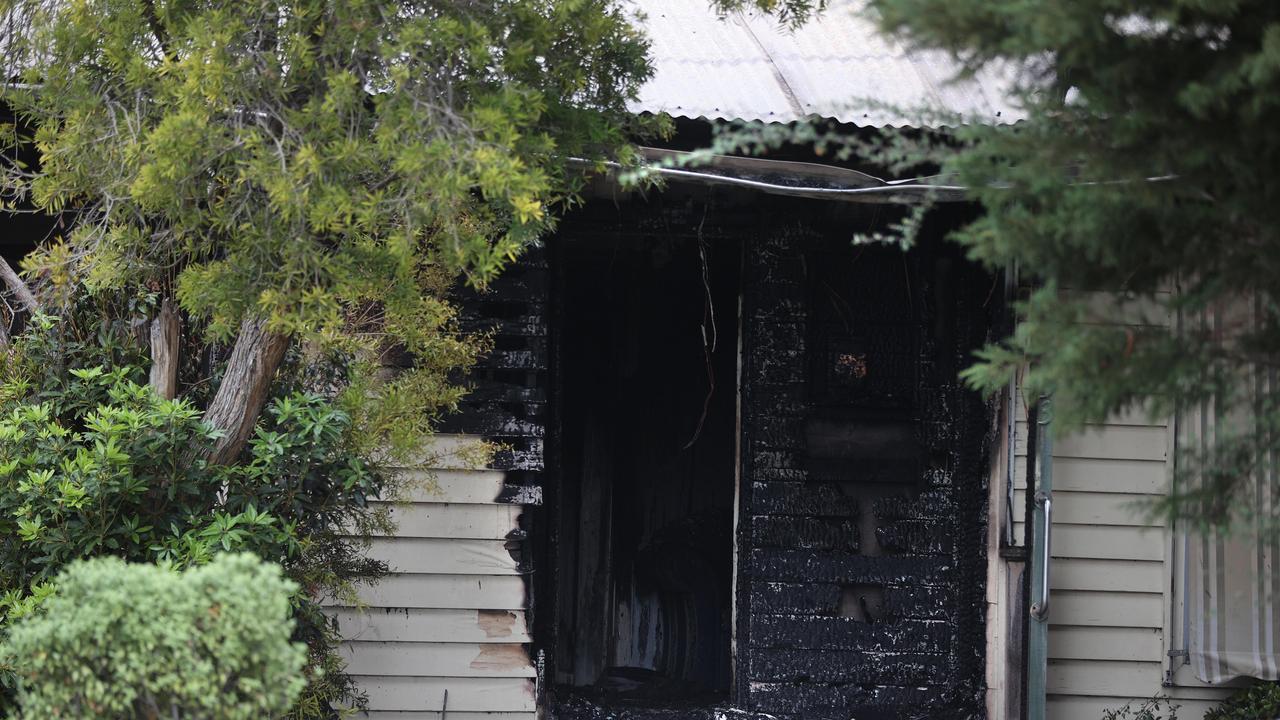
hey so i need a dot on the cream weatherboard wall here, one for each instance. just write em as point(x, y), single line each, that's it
point(1111, 576)
point(446, 635)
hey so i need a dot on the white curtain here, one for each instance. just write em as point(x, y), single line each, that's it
point(1233, 589)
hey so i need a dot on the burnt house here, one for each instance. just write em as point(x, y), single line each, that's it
point(740, 476)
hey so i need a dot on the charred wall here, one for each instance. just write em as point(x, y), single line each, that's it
point(862, 519)
point(507, 398)
point(860, 539)
point(507, 401)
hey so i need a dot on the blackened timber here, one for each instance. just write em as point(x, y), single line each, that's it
point(841, 702)
point(800, 498)
point(789, 598)
point(926, 505)
point(517, 454)
point(522, 325)
point(805, 533)
point(844, 666)
point(916, 601)
point(512, 494)
point(499, 420)
point(815, 632)
point(769, 564)
point(853, 417)
point(914, 537)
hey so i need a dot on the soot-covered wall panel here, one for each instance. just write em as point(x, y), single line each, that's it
point(862, 518)
point(507, 399)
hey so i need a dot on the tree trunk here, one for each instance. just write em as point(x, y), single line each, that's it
point(234, 410)
point(165, 331)
point(18, 287)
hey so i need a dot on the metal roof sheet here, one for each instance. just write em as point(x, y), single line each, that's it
point(747, 66)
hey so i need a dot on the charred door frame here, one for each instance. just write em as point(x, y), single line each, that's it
point(682, 221)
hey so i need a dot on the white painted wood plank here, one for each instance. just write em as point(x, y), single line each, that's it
point(1106, 609)
point(1115, 442)
point(452, 451)
point(455, 520)
point(444, 556)
point(486, 592)
point(1113, 679)
point(1088, 508)
point(1074, 707)
point(431, 625)
point(417, 659)
point(1104, 542)
point(1107, 575)
point(465, 694)
point(451, 715)
point(1097, 677)
point(1143, 477)
point(1111, 308)
point(1105, 643)
point(447, 451)
point(453, 486)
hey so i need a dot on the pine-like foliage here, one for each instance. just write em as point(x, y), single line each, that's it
point(1137, 197)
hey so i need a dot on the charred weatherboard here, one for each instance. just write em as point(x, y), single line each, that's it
point(863, 513)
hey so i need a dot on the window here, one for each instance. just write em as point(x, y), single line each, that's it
point(1225, 589)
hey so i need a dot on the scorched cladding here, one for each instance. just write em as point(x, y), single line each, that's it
point(861, 528)
point(856, 460)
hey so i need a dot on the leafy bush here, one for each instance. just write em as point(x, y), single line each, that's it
point(93, 462)
point(1257, 702)
point(1157, 708)
point(120, 641)
point(116, 478)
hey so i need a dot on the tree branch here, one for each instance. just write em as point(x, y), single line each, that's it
point(234, 410)
point(157, 29)
point(18, 287)
point(165, 330)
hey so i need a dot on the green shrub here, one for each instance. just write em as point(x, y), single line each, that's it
point(93, 462)
point(1258, 702)
point(144, 642)
point(1157, 708)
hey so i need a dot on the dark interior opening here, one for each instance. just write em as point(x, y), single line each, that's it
point(648, 375)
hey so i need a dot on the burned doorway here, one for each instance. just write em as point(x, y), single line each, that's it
point(646, 364)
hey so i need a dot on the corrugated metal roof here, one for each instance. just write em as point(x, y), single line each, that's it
point(748, 66)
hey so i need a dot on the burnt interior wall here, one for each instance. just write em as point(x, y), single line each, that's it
point(646, 329)
point(862, 517)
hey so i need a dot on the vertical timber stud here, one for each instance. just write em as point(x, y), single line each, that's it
point(1038, 630)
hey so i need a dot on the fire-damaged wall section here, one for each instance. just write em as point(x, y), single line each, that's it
point(507, 401)
point(861, 528)
point(448, 631)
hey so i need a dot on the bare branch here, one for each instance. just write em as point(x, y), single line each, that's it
point(18, 287)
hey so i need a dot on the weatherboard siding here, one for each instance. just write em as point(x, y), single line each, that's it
point(451, 615)
point(1108, 576)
